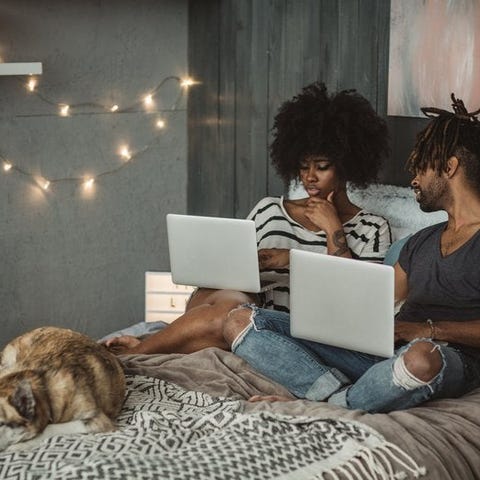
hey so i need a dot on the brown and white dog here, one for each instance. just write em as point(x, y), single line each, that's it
point(52, 376)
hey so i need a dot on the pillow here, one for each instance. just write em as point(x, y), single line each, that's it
point(393, 252)
point(396, 204)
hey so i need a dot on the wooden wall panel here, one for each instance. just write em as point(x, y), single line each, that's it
point(206, 168)
point(251, 104)
point(225, 188)
point(294, 61)
point(328, 48)
point(251, 55)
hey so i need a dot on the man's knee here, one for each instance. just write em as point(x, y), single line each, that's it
point(236, 322)
point(423, 360)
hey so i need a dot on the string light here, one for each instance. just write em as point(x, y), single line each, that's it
point(125, 152)
point(32, 83)
point(148, 100)
point(64, 110)
point(113, 108)
point(187, 82)
point(88, 183)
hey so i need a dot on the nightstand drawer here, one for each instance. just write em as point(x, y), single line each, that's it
point(164, 300)
point(162, 282)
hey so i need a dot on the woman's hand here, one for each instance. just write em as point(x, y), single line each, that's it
point(122, 345)
point(323, 213)
point(273, 258)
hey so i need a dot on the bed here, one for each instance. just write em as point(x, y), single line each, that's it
point(187, 416)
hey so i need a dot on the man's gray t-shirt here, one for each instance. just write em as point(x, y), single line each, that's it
point(440, 288)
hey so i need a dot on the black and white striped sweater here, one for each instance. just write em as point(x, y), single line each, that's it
point(368, 237)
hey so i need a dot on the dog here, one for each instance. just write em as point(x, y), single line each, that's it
point(54, 375)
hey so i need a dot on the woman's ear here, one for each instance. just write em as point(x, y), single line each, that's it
point(452, 166)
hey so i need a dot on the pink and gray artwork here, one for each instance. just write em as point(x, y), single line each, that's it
point(434, 51)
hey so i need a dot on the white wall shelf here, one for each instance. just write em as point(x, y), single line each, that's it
point(19, 68)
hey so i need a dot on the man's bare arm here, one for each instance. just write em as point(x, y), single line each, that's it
point(401, 283)
point(464, 333)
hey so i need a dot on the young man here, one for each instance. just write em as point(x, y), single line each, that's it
point(438, 327)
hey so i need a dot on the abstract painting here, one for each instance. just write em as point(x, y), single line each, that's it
point(434, 51)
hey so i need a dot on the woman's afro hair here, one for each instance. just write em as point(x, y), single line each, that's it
point(342, 127)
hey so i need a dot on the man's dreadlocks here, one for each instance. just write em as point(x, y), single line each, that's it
point(449, 134)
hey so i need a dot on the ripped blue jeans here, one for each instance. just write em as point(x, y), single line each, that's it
point(343, 377)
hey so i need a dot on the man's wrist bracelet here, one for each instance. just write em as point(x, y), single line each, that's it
point(432, 328)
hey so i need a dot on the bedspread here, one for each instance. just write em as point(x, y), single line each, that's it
point(171, 433)
point(442, 435)
point(186, 416)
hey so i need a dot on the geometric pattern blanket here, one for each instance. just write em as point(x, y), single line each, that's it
point(166, 432)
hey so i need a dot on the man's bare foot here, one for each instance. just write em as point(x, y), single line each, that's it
point(269, 398)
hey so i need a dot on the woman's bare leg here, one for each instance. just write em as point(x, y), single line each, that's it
point(201, 325)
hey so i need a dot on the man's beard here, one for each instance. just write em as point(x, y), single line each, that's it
point(431, 198)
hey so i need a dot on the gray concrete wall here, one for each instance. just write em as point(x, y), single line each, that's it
point(68, 258)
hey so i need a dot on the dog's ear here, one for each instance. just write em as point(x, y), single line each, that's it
point(23, 400)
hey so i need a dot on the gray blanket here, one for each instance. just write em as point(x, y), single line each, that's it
point(444, 435)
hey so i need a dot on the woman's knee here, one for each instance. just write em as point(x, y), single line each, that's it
point(217, 308)
point(200, 296)
point(232, 298)
point(223, 300)
point(236, 322)
point(423, 360)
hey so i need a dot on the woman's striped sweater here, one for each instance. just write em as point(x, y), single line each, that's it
point(368, 237)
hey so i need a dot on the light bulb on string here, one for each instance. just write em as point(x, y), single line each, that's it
point(187, 82)
point(160, 123)
point(125, 153)
point(114, 108)
point(88, 183)
point(45, 184)
point(32, 83)
point(148, 100)
point(7, 166)
point(64, 109)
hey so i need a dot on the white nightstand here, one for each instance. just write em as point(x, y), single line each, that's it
point(164, 300)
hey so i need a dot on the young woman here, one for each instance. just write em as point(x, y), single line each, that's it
point(322, 141)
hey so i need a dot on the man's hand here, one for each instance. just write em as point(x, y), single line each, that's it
point(273, 258)
point(408, 331)
point(122, 345)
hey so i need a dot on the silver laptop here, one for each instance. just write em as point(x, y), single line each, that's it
point(214, 252)
point(342, 302)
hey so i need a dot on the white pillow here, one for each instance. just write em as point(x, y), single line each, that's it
point(396, 204)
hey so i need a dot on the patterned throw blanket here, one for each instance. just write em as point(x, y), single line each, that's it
point(166, 432)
